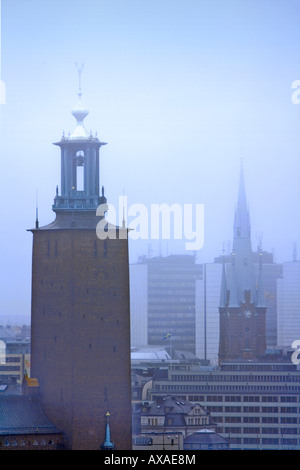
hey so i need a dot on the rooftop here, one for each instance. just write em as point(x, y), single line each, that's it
point(205, 436)
point(20, 415)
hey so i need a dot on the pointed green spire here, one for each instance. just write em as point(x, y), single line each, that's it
point(242, 226)
point(244, 268)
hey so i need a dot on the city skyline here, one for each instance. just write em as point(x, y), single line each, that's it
point(180, 91)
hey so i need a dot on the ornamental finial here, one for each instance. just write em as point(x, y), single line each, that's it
point(79, 70)
point(80, 112)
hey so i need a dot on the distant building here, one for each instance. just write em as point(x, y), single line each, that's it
point(15, 332)
point(165, 422)
point(139, 379)
point(288, 304)
point(13, 368)
point(169, 314)
point(255, 404)
point(138, 304)
point(245, 271)
point(205, 439)
point(272, 271)
point(207, 313)
point(14, 354)
point(242, 299)
point(149, 356)
point(172, 441)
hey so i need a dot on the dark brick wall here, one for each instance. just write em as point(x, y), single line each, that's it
point(81, 334)
point(238, 333)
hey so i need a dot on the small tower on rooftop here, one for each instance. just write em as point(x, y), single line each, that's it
point(80, 171)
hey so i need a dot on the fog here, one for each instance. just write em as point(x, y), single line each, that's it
point(181, 90)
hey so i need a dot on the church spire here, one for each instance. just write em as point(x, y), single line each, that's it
point(242, 226)
point(242, 322)
point(242, 245)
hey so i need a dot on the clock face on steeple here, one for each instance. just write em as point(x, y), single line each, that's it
point(247, 313)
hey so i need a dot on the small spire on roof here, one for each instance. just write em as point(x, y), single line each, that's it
point(107, 445)
point(36, 212)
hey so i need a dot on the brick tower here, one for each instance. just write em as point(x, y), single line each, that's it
point(80, 305)
point(242, 304)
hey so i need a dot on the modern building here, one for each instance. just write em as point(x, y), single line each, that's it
point(255, 405)
point(169, 314)
point(80, 324)
point(288, 301)
point(14, 353)
point(207, 313)
point(138, 304)
point(13, 368)
point(272, 271)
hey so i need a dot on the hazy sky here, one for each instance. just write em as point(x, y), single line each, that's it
point(179, 89)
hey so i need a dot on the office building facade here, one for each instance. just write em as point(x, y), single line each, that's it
point(169, 316)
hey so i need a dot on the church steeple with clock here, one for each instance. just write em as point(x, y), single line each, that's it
point(242, 307)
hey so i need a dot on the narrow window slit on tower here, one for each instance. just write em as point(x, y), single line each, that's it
point(80, 178)
point(79, 169)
